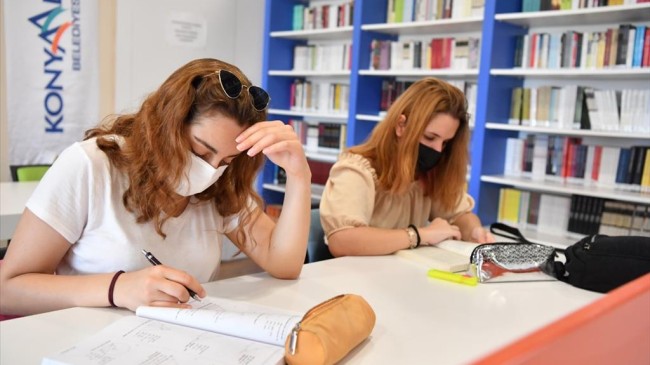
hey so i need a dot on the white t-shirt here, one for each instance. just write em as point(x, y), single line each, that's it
point(81, 198)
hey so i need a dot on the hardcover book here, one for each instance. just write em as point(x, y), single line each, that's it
point(448, 255)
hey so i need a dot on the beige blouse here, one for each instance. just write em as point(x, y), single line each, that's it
point(352, 198)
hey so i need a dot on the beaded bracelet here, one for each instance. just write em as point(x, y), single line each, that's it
point(112, 287)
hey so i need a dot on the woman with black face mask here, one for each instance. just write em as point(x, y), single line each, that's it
point(405, 186)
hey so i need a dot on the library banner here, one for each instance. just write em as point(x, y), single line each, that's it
point(52, 75)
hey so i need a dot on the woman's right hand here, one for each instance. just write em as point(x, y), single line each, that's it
point(438, 230)
point(158, 286)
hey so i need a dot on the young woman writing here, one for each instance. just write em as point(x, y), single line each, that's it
point(172, 179)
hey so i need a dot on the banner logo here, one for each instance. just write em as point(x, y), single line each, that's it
point(52, 28)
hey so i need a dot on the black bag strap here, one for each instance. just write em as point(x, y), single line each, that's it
point(504, 230)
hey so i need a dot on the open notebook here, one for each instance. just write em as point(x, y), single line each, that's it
point(448, 255)
point(215, 330)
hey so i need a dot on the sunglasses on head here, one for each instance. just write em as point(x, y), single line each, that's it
point(233, 87)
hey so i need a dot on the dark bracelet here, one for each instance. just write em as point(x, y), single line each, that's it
point(112, 287)
point(417, 233)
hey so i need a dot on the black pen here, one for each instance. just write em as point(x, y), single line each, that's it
point(154, 261)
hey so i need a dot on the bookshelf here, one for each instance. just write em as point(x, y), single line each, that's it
point(496, 76)
point(606, 74)
point(427, 27)
point(504, 21)
point(281, 36)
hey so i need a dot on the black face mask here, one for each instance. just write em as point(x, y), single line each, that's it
point(427, 158)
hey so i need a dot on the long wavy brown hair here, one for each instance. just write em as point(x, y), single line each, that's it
point(156, 146)
point(394, 159)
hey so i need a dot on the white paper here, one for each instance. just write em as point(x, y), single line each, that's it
point(186, 29)
point(460, 247)
point(229, 317)
point(136, 340)
point(214, 330)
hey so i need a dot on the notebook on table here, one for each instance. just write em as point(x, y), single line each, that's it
point(214, 330)
point(448, 255)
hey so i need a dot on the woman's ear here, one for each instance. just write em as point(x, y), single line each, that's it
point(401, 125)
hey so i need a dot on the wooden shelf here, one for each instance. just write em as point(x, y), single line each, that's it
point(315, 34)
point(305, 73)
point(442, 73)
point(588, 16)
point(321, 156)
point(576, 73)
point(569, 189)
point(369, 117)
point(334, 117)
point(472, 24)
point(566, 132)
point(316, 189)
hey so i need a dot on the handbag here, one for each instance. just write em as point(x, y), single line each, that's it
point(329, 331)
point(520, 260)
point(601, 263)
point(596, 262)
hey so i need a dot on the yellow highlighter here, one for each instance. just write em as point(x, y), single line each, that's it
point(453, 277)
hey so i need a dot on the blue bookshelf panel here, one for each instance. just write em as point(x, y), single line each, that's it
point(272, 197)
point(279, 88)
point(498, 108)
point(281, 13)
point(502, 6)
point(359, 131)
point(282, 58)
point(267, 176)
point(503, 44)
point(369, 95)
point(372, 11)
point(487, 206)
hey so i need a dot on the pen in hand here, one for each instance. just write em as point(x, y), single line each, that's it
point(154, 261)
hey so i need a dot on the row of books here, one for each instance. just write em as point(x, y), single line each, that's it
point(319, 96)
point(543, 5)
point(566, 159)
point(625, 46)
point(402, 11)
point(322, 57)
point(322, 16)
point(391, 89)
point(320, 171)
point(578, 214)
point(581, 107)
point(320, 136)
point(454, 53)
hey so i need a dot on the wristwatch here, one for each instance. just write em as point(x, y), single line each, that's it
point(413, 237)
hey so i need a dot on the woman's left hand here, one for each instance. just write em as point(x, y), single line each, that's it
point(279, 143)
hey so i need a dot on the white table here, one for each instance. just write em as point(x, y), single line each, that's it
point(13, 196)
point(419, 320)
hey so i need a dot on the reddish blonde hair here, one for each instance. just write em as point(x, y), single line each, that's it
point(156, 148)
point(394, 159)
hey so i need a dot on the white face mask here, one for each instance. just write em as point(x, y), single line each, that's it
point(198, 176)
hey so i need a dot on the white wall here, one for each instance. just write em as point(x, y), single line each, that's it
point(146, 55)
point(4, 140)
